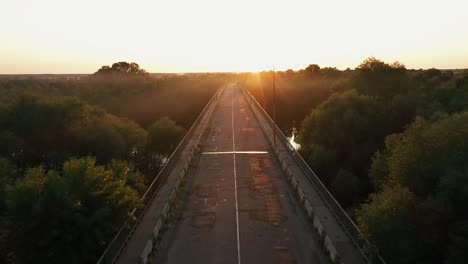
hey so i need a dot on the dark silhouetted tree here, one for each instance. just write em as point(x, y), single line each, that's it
point(54, 214)
point(122, 68)
point(164, 135)
point(426, 167)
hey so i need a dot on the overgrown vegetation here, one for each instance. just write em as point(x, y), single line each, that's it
point(296, 93)
point(391, 144)
point(75, 156)
point(143, 98)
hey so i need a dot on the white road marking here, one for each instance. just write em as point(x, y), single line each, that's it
point(232, 152)
point(235, 177)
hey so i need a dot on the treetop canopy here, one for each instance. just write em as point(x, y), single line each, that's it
point(122, 68)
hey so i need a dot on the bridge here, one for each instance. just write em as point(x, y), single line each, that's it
point(236, 191)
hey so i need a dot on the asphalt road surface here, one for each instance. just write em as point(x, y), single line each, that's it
point(237, 207)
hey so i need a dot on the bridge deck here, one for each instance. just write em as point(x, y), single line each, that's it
point(237, 207)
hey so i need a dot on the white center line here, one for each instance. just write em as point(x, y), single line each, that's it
point(235, 177)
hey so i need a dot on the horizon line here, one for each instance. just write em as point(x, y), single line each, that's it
point(199, 72)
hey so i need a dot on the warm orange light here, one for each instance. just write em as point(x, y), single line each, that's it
point(241, 35)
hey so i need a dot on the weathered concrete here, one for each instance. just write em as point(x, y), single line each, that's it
point(335, 239)
point(271, 225)
point(139, 247)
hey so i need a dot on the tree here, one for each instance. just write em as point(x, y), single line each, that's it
point(54, 214)
point(37, 129)
point(12, 145)
point(122, 68)
point(428, 152)
point(313, 69)
point(330, 72)
point(425, 167)
point(48, 131)
point(386, 221)
point(123, 170)
point(101, 140)
point(164, 135)
point(343, 133)
point(7, 177)
point(345, 187)
point(458, 248)
point(447, 97)
point(376, 78)
point(378, 171)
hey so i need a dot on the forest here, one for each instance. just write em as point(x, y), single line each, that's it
point(77, 154)
point(391, 144)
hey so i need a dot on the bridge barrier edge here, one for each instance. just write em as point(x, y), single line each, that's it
point(182, 175)
point(300, 193)
point(329, 246)
point(146, 253)
point(308, 208)
point(157, 228)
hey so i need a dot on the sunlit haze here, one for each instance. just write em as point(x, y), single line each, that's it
point(58, 36)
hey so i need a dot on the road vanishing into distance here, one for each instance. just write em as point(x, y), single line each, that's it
point(236, 207)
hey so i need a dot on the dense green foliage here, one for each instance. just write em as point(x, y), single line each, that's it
point(52, 203)
point(428, 163)
point(143, 98)
point(296, 93)
point(48, 131)
point(167, 129)
point(67, 216)
point(75, 157)
point(122, 68)
point(389, 142)
point(341, 134)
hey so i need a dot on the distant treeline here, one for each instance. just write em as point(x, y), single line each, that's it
point(392, 146)
point(76, 155)
point(142, 98)
point(296, 93)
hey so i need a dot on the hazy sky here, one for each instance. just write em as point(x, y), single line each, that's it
point(60, 36)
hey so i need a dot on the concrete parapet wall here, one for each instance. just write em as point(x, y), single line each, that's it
point(168, 192)
point(327, 226)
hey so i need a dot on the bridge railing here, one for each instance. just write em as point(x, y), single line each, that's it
point(364, 246)
point(118, 243)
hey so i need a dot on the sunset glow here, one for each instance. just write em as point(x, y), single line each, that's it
point(56, 36)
